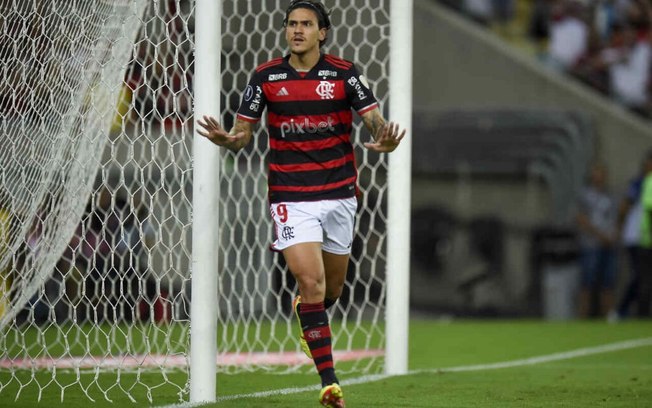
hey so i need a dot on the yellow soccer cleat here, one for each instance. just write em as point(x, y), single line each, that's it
point(302, 340)
point(331, 396)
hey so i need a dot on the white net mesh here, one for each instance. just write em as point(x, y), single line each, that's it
point(58, 94)
point(96, 290)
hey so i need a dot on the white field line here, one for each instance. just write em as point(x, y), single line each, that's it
point(567, 355)
point(547, 358)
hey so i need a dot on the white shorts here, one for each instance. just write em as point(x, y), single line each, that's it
point(330, 222)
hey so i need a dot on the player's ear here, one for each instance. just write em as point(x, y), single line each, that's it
point(322, 34)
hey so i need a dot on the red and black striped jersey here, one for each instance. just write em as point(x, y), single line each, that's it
point(310, 121)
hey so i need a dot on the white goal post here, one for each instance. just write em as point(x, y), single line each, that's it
point(109, 204)
point(400, 191)
point(206, 216)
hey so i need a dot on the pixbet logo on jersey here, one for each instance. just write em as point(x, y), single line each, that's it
point(306, 126)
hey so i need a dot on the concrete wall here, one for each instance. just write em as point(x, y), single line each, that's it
point(458, 64)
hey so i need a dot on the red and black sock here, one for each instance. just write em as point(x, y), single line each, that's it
point(327, 304)
point(317, 332)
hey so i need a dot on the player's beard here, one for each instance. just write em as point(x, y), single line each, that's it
point(302, 52)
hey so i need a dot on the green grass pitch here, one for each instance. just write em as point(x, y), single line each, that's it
point(464, 363)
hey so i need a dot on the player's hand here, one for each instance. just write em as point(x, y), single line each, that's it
point(214, 132)
point(387, 140)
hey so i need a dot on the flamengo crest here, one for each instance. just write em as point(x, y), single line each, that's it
point(325, 90)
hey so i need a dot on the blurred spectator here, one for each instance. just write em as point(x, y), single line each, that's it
point(630, 73)
point(131, 259)
point(629, 221)
point(627, 64)
point(48, 304)
point(618, 58)
point(503, 10)
point(111, 245)
point(479, 10)
point(645, 277)
point(622, 66)
point(539, 26)
point(569, 35)
point(594, 68)
point(158, 82)
point(596, 221)
point(604, 19)
point(92, 251)
point(605, 43)
point(498, 13)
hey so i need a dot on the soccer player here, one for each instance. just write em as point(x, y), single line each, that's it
point(312, 178)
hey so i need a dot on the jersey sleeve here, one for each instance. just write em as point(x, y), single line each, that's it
point(253, 100)
point(359, 94)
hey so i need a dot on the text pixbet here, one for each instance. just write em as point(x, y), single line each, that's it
point(306, 126)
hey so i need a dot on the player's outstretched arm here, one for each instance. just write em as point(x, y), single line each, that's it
point(236, 139)
point(387, 136)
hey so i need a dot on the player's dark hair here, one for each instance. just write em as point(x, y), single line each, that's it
point(323, 19)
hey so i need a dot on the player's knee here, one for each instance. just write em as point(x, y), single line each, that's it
point(311, 288)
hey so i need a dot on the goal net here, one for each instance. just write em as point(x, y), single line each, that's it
point(96, 200)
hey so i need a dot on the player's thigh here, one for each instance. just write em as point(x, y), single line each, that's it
point(305, 259)
point(338, 222)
